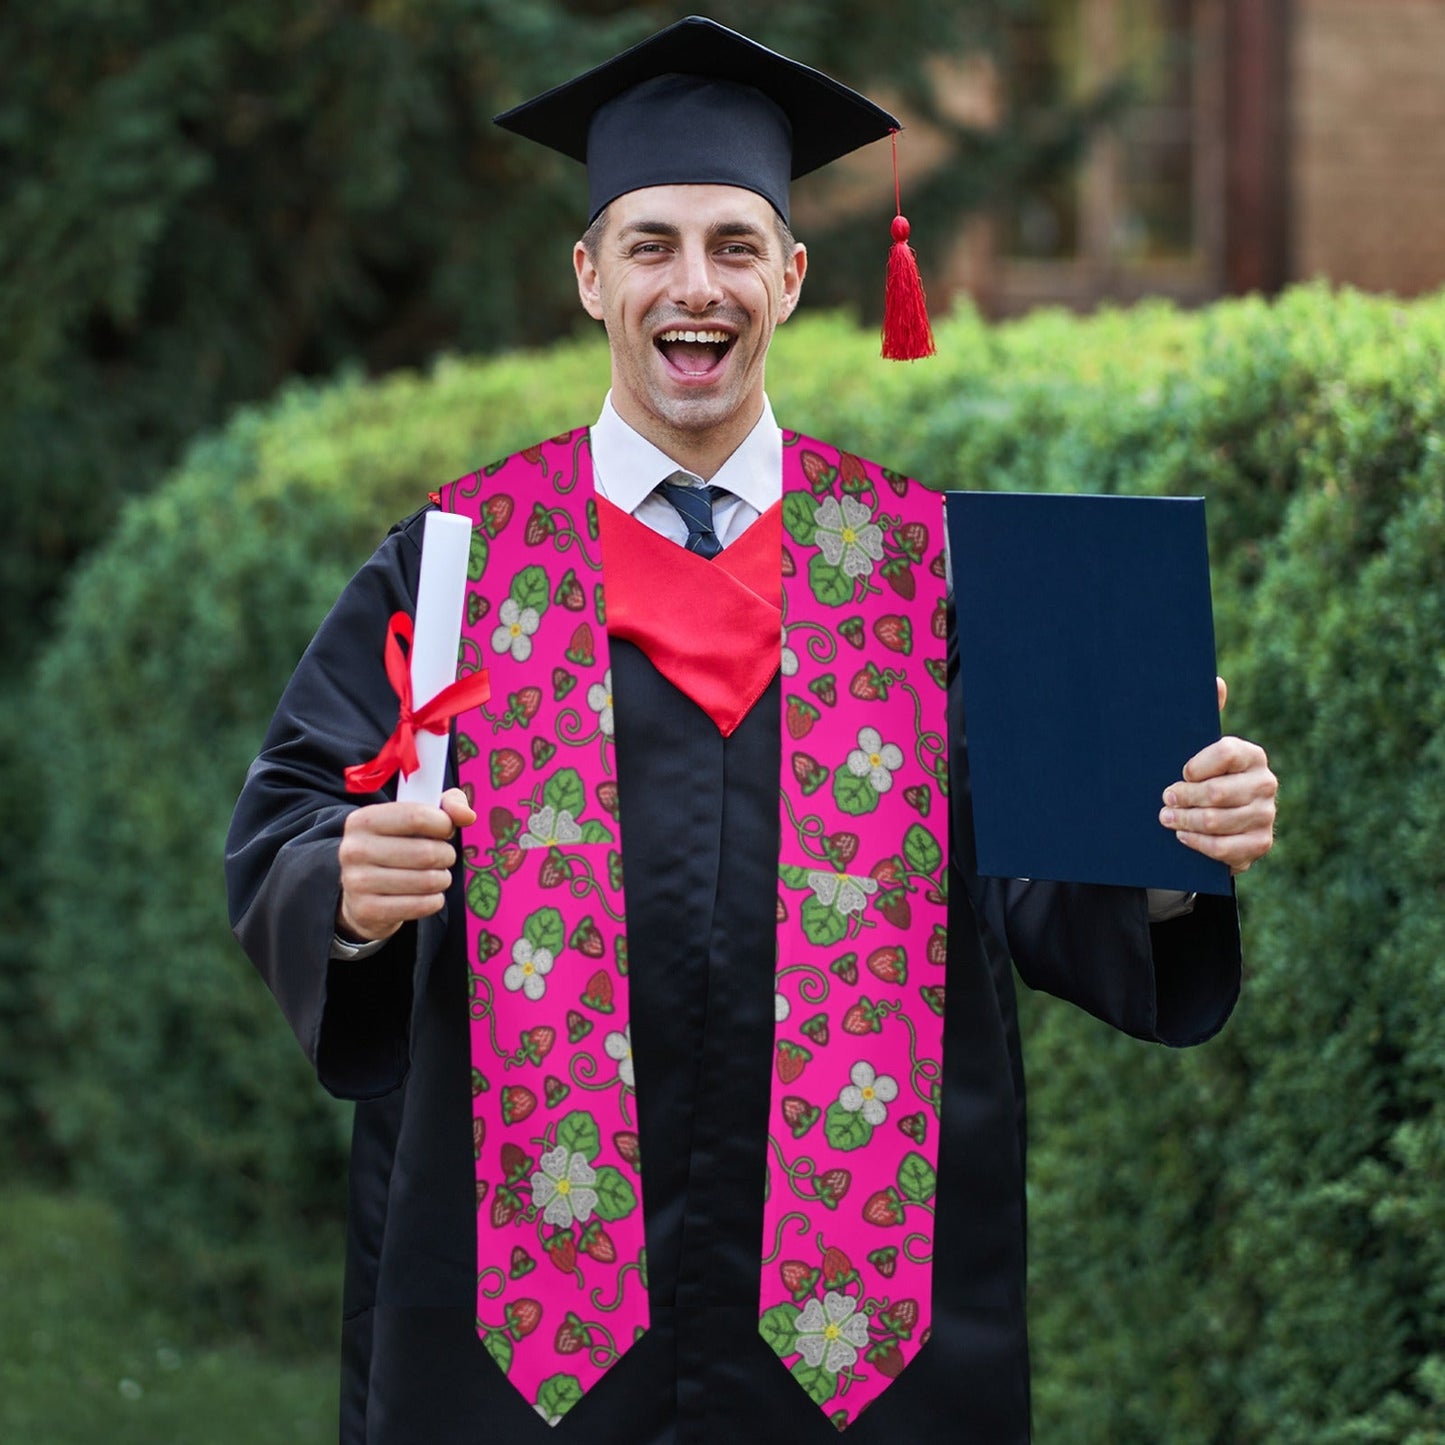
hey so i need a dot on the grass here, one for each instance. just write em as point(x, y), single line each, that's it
point(83, 1359)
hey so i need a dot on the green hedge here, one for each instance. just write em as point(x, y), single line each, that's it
point(1240, 1244)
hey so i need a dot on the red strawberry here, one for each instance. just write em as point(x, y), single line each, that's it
point(571, 1337)
point(933, 995)
point(884, 1208)
point(897, 482)
point(597, 1243)
point(562, 1251)
point(781, 912)
point(884, 1260)
point(506, 765)
point(889, 964)
point(868, 684)
point(937, 671)
point(901, 1318)
point(518, 1103)
point(504, 824)
point(569, 592)
point(800, 718)
point(626, 1143)
point(509, 859)
point(791, 1060)
point(532, 456)
point(895, 908)
point(855, 478)
point(582, 648)
point(554, 1090)
point(938, 566)
point(497, 512)
point(607, 798)
point(819, 474)
point(886, 1358)
point(619, 948)
point(525, 702)
point(562, 683)
point(480, 1083)
point(466, 748)
point(479, 1137)
point(816, 1029)
point(516, 1162)
point(578, 1026)
point(831, 1185)
point(915, 1126)
point(837, 1268)
point(537, 1042)
point(842, 848)
point(919, 797)
point(912, 537)
point(888, 872)
point(542, 752)
point(790, 568)
point(850, 629)
point(863, 1018)
point(506, 1206)
point(587, 939)
point(614, 868)
point(540, 526)
point(488, 944)
point(894, 632)
point(809, 772)
point(938, 945)
point(898, 574)
point(799, 1279)
point(825, 689)
point(846, 967)
point(799, 1115)
point(523, 1316)
point(522, 1262)
point(477, 608)
point(598, 993)
point(554, 870)
point(938, 623)
point(482, 1187)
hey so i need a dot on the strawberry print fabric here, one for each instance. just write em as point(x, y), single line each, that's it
point(862, 905)
point(851, 1167)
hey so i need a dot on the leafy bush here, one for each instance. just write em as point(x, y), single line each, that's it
point(1240, 1244)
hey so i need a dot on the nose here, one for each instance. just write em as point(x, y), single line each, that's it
point(696, 286)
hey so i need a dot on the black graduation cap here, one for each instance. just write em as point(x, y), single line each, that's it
point(700, 104)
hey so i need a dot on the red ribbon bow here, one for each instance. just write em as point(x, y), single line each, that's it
point(399, 750)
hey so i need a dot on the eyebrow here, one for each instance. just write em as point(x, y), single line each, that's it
point(666, 230)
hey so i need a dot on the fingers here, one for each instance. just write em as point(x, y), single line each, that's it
point(1222, 688)
point(396, 864)
point(1224, 807)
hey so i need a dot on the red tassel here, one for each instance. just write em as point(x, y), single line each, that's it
point(907, 336)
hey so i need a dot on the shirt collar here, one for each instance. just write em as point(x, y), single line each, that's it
point(629, 467)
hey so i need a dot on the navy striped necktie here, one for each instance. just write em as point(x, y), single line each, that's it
point(694, 505)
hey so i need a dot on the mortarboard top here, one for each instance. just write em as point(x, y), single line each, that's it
point(699, 104)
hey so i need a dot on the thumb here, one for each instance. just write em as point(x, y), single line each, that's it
point(454, 804)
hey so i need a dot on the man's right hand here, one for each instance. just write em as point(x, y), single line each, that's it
point(396, 862)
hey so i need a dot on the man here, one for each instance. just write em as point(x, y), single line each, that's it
point(406, 988)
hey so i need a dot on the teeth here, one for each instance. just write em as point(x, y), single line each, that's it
point(719, 338)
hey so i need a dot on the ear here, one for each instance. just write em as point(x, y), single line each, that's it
point(589, 284)
point(794, 270)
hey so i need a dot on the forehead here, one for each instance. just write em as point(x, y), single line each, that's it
point(704, 207)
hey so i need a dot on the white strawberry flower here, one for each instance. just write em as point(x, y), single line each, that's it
point(868, 1093)
point(789, 664)
point(514, 634)
point(875, 760)
point(563, 1188)
point(831, 1332)
point(838, 890)
point(848, 536)
point(599, 699)
point(619, 1047)
point(528, 969)
point(550, 825)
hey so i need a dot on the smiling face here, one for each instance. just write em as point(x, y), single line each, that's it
point(690, 282)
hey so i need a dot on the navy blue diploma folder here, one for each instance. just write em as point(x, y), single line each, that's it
point(1086, 649)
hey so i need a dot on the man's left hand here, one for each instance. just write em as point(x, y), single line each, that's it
point(1224, 805)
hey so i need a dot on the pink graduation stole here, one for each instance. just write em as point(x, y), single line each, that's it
point(852, 1148)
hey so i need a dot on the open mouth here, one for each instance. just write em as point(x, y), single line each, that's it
point(694, 353)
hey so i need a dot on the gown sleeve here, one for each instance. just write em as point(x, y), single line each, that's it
point(1093, 945)
point(283, 874)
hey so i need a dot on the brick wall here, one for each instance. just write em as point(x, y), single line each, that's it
point(1367, 144)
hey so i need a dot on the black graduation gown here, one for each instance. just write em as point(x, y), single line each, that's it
point(699, 822)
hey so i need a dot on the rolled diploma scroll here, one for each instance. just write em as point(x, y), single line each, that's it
point(446, 545)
